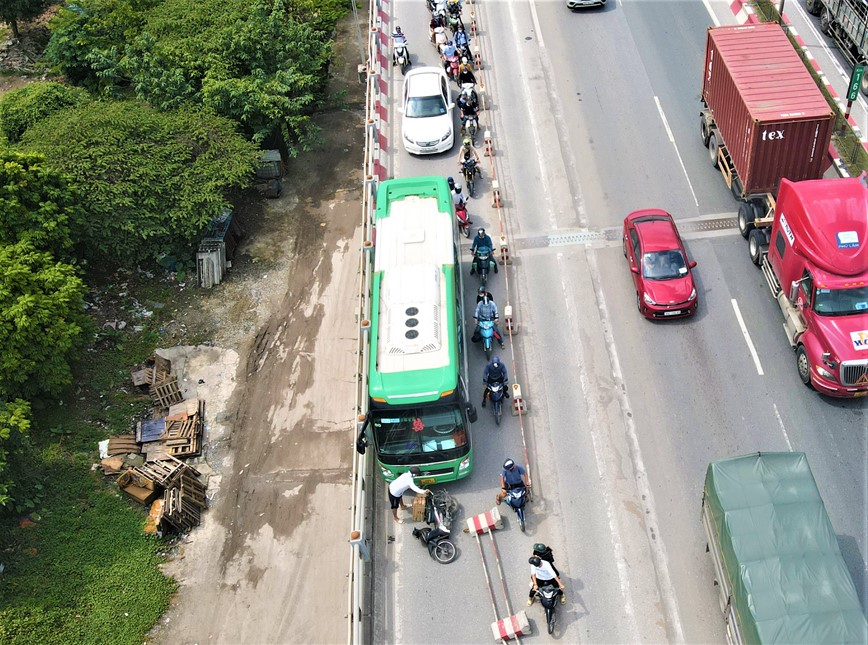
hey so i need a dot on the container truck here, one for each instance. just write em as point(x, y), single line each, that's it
point(767, 128)
point(846, 21)
point(777, 563)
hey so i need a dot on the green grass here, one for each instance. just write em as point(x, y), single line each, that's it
point(85, 572)
point(849, 147)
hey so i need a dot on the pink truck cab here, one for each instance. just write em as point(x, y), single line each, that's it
point(815, 259)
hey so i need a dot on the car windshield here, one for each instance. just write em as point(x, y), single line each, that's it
point(663, 265)
point(841, 302)
point(425, 106)
point(419, 430)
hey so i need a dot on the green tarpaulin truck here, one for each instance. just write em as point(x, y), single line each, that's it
point(776, 558)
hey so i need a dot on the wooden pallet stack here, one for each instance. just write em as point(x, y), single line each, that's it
point(184, 428)
point(183, 493)
point(151, 372)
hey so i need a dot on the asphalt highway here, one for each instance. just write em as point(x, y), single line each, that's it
point(594, 114)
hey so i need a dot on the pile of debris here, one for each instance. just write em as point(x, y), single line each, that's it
point(149, 461)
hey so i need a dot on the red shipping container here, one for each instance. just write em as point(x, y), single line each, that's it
point(772, 117)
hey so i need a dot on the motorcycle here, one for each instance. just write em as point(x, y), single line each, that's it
point(464, 221)
point(450, 64)
point(495, 395)
point(469, 169)
point(486, 333)
point(454, 22)
point(548, 596)
point(517, 498)
point(469, 128)
point(438, 38)
point(469, 90)
point(438, 513)
point(402, 56)
point(482, 263)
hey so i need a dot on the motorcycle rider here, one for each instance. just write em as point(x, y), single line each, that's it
point(458, 197)
point(468, 109)
point(465, 73)
point(467, 152)
point(481, 293)
point(511, 476)
point(462, 40)
point(542, 574)
point(398, 38)
point(495, 372)
point(544, 552)
point(481, 239)
point(486, 309)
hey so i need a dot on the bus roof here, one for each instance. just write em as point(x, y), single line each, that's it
point(414, 319)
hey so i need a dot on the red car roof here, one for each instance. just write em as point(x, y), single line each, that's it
point(656, 229)
point(836, 239)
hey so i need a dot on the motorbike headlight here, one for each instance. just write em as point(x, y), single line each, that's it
point(647, 298)
point(692, 294)
point(826, 373)
point(465, 464)
point(446, 136)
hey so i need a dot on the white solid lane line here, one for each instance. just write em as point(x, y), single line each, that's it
point(756, 361)
point(783, 429)
point(677, 154)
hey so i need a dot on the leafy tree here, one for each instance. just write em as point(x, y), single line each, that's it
point(88, 39)
point(14, 425)
point(154, 179)
point(41, 321)
point(252, 62)
point(13, 11)
point(22, 107)
point(38, 204)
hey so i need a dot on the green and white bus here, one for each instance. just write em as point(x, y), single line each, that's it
point(418, 410)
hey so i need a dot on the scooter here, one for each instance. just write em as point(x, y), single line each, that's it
point(464, 221)
point(517, 498)
point(548, 596)
point(482, 261)
point(402, 56)
point(495, 395)
point(450, 64)
point(437, 538)
point(469, 89)
point(438, 38)
point(486, 331)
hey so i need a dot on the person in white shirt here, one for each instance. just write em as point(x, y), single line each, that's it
point(541, 574)
point(401, 485)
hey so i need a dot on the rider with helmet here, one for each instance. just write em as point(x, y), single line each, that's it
point(479, 240)
point(467, 152)
point(511, 476)
point(465, 72)
point(542, 574)
point(486, 309)
point(398, 38)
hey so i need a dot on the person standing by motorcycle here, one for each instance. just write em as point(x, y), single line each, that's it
point(401, 485)
point(486, 309)
point(398, 38)
point(511, 476)
point(542, 574)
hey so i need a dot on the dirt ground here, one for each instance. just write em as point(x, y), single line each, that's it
point(278, 378)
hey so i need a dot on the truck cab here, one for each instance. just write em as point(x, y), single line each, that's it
point(816, 263)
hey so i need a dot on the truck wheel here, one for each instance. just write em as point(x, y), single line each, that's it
point(745, 218)
point(755, 242)
point(713, 147)
point(704, 130)
point(825, 21)
point(803, 365)
point(813, 7)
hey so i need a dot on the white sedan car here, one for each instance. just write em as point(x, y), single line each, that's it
point(427, 108)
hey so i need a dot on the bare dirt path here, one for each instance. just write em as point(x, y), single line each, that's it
point(279, 385)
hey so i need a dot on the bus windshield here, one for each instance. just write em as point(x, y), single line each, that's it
point(841, 302)
point(421, 430)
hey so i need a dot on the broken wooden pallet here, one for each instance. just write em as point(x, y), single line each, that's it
point(123, 444)
point(167, 393)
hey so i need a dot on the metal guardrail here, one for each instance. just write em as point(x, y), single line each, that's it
point(360, 569)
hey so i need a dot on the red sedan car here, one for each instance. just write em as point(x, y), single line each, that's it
point(659, 264)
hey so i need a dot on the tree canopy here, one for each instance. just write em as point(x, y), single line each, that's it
point(38, 204)
point(41, 321)
point(25, 106)
point(152, 181)
point(261, 63)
